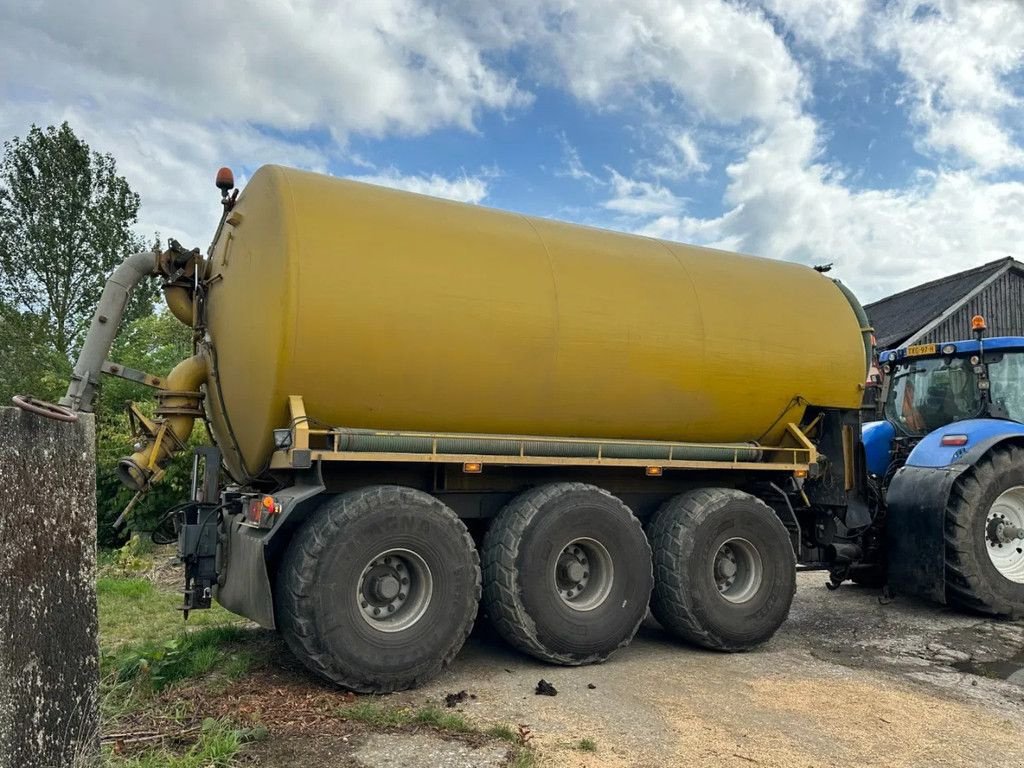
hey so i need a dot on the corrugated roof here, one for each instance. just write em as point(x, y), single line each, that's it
point(897, 317)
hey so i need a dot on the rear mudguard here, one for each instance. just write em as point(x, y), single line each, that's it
point(247, 555)
point(915, 536)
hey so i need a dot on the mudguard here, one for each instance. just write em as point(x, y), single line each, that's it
point(250, 554)
point(917, 498)
point(915, 537)
point(982, 435)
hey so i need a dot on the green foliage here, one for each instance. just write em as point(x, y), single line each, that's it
point(31, 365)
point(503, 732)
point(65, 222)
point(154, 666)
point(586, 745)
point(217, 746)
point(445, 721)
point(131, 558)
point(135, 614)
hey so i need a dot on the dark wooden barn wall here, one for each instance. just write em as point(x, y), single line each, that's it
point(1002, 305)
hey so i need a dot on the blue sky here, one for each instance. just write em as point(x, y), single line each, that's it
point(882, 135)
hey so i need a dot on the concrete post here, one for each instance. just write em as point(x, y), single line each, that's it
point(49, 655)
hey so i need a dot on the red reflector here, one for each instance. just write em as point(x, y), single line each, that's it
point(954, 440)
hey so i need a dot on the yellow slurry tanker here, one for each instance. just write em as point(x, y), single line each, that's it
point(418, 404)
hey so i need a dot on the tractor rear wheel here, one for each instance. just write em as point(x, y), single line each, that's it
point(985, 535)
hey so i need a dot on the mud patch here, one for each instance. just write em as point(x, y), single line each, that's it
point(1011, 670)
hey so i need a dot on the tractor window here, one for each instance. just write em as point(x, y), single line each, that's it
point(929, 394)
point(1007, 377)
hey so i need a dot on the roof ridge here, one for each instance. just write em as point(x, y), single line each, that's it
point(992, 265)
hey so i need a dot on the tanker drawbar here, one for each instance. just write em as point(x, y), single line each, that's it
point(419, 406)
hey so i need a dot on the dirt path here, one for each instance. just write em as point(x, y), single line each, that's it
point(846, 682)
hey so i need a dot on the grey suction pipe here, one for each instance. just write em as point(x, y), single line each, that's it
point(105, 323)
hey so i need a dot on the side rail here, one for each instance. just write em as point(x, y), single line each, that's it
point(299, 446)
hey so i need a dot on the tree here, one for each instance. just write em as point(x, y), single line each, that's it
point(31, 365)
point(65, 223)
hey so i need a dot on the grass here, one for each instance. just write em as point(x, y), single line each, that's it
point(145, 648)
point(133, 611)
point(216, 747)
point(187, 655)
point(524, 758)
point(503, 732)
point(384, 716)
point(586, 745)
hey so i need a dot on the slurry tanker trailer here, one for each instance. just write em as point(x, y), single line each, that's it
point(423, 409)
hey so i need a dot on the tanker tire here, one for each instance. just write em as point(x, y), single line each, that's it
point(972, 581)
point(322, 568)
point(686, 534)
point(520, 553)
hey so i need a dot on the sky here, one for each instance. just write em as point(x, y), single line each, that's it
point(883, 136)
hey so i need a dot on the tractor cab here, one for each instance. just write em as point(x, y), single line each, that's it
point(930, 386)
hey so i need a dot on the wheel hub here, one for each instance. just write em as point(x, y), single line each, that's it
point(1004, 534)
point(394, 590)
point(737, 570)
point(583, 574)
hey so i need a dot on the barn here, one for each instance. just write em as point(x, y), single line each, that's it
point(942, 309)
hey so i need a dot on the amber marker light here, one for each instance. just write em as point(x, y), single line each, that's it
point(225, 180)
point(978, 323)
point(473, 467)
point(654, 471)
point(799, 473)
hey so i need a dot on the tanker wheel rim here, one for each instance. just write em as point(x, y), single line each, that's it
point(394, 590)
point(584, 574)
point(737, 570)
point(1005, 553)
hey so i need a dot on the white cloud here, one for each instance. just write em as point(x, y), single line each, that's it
point(961, 59)
point(835, 28)
point(785, 204)
point(976, 137)
point(722, 58)
point(174, 90)
point(679, 158)
point(465, 189)
point(368, 66)
point(640, 198)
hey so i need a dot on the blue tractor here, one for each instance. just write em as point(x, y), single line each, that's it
point(945, 476)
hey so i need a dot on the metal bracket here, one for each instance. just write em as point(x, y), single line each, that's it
point(131, 374)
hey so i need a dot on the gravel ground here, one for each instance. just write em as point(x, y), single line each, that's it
point(847, 681)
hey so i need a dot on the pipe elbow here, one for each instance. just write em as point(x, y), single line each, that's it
point(180, 303)
point(179, 406)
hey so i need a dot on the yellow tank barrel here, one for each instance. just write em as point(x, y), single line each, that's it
point(394, 311)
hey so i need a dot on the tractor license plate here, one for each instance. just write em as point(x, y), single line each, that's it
point(922, 349)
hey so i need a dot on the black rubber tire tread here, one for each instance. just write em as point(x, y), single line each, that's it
point(671, 533)
point(297, 576)
point(972, 581)
point(501, 597)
